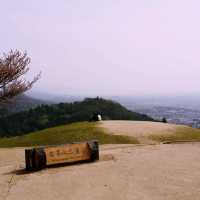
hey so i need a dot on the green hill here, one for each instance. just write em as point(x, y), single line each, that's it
point(46, 116)
point(74, 132)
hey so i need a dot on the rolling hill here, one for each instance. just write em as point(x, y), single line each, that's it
point(46, 116)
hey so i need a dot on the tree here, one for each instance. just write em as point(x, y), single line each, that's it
point(13, 67)
point(164, 120)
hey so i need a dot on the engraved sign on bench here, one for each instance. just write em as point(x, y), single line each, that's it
point(39, 158)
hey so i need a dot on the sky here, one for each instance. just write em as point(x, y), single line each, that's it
point(106, 47)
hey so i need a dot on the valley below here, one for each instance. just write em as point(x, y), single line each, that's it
point(174, 115)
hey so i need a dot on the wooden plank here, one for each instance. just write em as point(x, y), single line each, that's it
point(39, 158)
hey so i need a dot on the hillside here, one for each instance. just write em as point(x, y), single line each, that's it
point(46, 116)
point(124, 171)
point(74, 132)
point(106, 132)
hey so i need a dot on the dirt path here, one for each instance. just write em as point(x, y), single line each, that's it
point(139, 129)
point(124, 172)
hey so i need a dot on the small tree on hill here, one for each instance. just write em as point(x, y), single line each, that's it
point(164, 120)
point(13, 67)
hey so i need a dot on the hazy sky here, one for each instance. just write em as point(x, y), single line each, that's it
point(107, 47)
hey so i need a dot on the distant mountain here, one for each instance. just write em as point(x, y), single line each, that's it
point(54, 97)
point(46, 116)
point(185, 101)
point(20, 103)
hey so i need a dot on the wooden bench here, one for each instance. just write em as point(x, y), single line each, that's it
point(39, 158)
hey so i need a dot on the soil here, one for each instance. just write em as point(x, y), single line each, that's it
point(139, 129)
point(124, 172)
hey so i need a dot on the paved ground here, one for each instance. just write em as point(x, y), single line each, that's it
point(132, 172)
point(139, 129)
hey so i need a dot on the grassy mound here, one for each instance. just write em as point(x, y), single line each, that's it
point(181, 134)
point(68, 133)
point(48, 116)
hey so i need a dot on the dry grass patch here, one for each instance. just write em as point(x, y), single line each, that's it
point(180, 134)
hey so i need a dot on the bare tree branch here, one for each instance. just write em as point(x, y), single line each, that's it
point(13, 66)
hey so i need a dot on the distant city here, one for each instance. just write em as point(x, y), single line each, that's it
point(173, 115)
point(179, 110)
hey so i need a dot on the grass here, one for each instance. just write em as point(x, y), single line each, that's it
point(68, 133)
point(181, 134)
